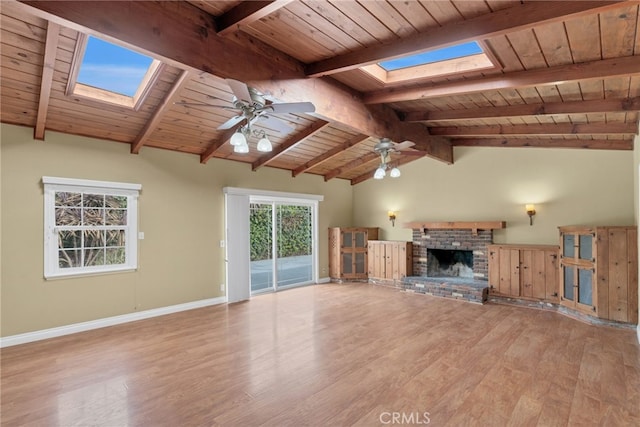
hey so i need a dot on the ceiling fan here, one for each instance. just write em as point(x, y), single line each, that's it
point(253, 106)
point(385, 147)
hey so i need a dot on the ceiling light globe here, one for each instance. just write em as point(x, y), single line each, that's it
point(238, 139)
point(264, 145)
point(380, 173)
point(242, 148)
point(395, 172)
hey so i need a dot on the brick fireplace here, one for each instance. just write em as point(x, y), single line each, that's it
point(451, 240)
point(450, 259)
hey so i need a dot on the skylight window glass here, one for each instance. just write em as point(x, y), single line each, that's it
point(112, 68)
point(451, 52)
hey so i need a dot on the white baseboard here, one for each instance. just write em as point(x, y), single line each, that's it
point(324, 280)
point(107, 321)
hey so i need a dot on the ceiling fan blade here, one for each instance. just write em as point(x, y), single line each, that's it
point(403, 145)
point(240, 90)
point(231, 122)
point(197, 104)
point(292, 107)
point(275, 124)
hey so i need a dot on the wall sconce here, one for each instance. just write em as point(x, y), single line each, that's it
point(392, 218)
point(531, 211)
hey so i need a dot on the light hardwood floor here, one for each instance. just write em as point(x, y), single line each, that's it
point(330, 355)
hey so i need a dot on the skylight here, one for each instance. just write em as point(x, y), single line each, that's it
point(112, 68)
point(452, 60)
point(444, 54)
point(110, 73)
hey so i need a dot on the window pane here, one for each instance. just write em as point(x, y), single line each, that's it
point(93, 200)
point(586, 246)
point(115, 238)
point(69, 239)
point(568, 242)
point(115, 217)
point(93, 217)
point(69, 258)
point(360, 262)
point(116, 202)
point(93, 238)
point(115, 256)
point(93, 257)
point(68, 199)
point(347, 239)
point(68, 216)
point(360, 239)
point(347, 263)
point(568, 283)
point(585, 286)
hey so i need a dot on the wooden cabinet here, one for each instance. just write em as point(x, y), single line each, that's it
point(390, 260)
point(348, 252)
point(599, 271)
point(524, 271)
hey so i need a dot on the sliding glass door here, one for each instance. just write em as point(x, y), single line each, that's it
point(281, 235)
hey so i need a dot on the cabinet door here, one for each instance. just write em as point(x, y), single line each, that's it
point(551, 275)
point(494, 269)
point(577, 286)
point(509, 283)
point(618, 275)
point(527, 272)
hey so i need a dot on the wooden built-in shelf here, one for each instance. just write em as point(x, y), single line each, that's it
point(474, 226)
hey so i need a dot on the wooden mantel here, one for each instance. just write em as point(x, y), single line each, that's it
point(474, 226)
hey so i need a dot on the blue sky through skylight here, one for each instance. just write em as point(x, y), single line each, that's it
point(429, 57)
point(113, 68)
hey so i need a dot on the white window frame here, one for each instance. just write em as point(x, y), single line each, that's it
point(55, 184)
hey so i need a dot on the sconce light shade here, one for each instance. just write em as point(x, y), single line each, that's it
point(380, 173)
point(392, 218)
point(238, 139)
point(531, 211)
point(264, 145)
point(395, 172)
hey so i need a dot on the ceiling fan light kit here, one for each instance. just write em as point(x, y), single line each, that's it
point(384, 147)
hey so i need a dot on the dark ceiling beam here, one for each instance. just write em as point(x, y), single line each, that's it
point(245, 13)
point(396, 163)
point(289, 143)
point(516, 18)
point(592, 144)
point(541, 109)
point(184, 36)
point(561, 74)
point(218, 143)
point(46, 81)
point(352, 164)
point(539, 129)
point(329, 154)
point(160, 112)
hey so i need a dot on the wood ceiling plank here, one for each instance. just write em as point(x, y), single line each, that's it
point(444, 12)
point(544, 129)
point(352, 164)
point(575, 107)
point(393, 20)
point(554, 44)
point(608, 68)
point(505, 21)
point(329, 154)
point(245, 13)
point(188, 41)
point(343, 23)
point(160, 112)
point(599, 144)
point(618, 31)
point(365, 19)
point(415, 13)
point(51, 47)
point(526, 47)
point(291, 141)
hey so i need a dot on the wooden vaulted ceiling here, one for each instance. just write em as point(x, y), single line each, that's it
point(568, 76)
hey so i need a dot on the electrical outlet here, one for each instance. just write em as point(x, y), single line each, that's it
point(222, 287)
point(222, 243)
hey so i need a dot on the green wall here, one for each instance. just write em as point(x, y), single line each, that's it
point(181, 212)
point(568, 187)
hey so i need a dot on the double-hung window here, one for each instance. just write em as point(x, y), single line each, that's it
point(89, 226)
